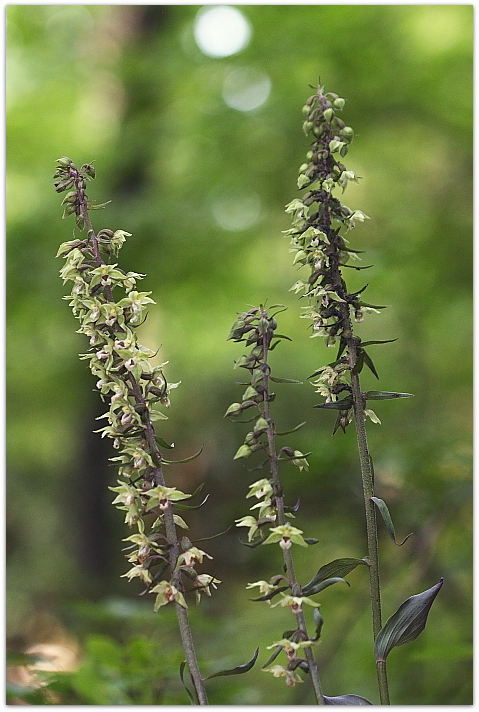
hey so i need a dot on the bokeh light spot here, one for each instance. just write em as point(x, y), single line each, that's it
point(235, 211)
point(246, 88)
point(221, 30)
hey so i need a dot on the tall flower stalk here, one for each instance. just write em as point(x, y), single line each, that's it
point(257, 329)
point(164, 561)
point(318, 241)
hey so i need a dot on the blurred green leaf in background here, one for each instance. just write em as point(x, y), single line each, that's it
point(192, 116)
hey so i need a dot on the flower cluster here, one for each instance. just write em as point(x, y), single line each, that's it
point(258, 330)
point(136, 392)
point(318, 219)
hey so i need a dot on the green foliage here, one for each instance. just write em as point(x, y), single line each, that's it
point(174, 158)
point(113, 673)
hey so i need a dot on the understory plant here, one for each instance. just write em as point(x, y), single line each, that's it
point(105, 300)
point(319, 245)
point(109, 308)
point(269, 523)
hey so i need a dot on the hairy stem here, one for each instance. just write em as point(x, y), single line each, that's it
point(367, 476)
point(287, 556)
point(168, 517)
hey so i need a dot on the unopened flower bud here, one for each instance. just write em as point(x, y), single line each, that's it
point(328, 114)
point(64, 162)
point(126, 417)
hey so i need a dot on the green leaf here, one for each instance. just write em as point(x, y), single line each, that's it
point(381, 505)
point(283, 380)
point(272, 594)
point(406, 624)
point(355, 267)
point(214, 536)
point(386, 341)
point(179, 505)
point(238, 670)
point(282, 336)
point(372, 306)
point(338, 567)
point(344, 404)
point(186, 459)
point(273, 655)
point(318, 620)
point(257, 542)
point(311, 590)
point(293, 430)
point(346, 700)
point(369, 363)
point(99, 206)
point(163, 443)
point(385, 395)
point(342, 347)
point(188, 691)
point(358, 366)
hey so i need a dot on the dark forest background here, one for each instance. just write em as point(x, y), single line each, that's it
point(199, 154)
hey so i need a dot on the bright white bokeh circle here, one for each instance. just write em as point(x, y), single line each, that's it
point(221, 30)
point(246, 88)
point(234, 210)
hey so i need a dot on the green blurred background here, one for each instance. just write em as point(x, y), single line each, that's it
point(194, 120)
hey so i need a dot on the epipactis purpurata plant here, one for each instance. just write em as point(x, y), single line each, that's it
point(319, 219)
point(164, 560)
point(137, 391)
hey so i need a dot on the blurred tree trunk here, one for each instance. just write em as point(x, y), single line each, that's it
point(97, 545)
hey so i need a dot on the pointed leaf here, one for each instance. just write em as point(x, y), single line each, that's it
point(346, 700)
point(369, 363)
point(185, 459)
point(257, 542)
point(178, 505)
point(318, 620)
point(342, 346)
point(358, 366)
point(338, 567)
point(372, 306)
point(293, 430)
point(323, 584)
point(370, 343)
point(355, 267)
point(238, 670)
point(341, 422)
point(163, 443)
point(283, 380)
point(182, 678)
point(406, 624)
point(269, 596)
point(99, 206)
point(282, 336)
point(385, 395)
point(344, 404)
point(214, 536)
point(381, 505)
point(273, 655)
